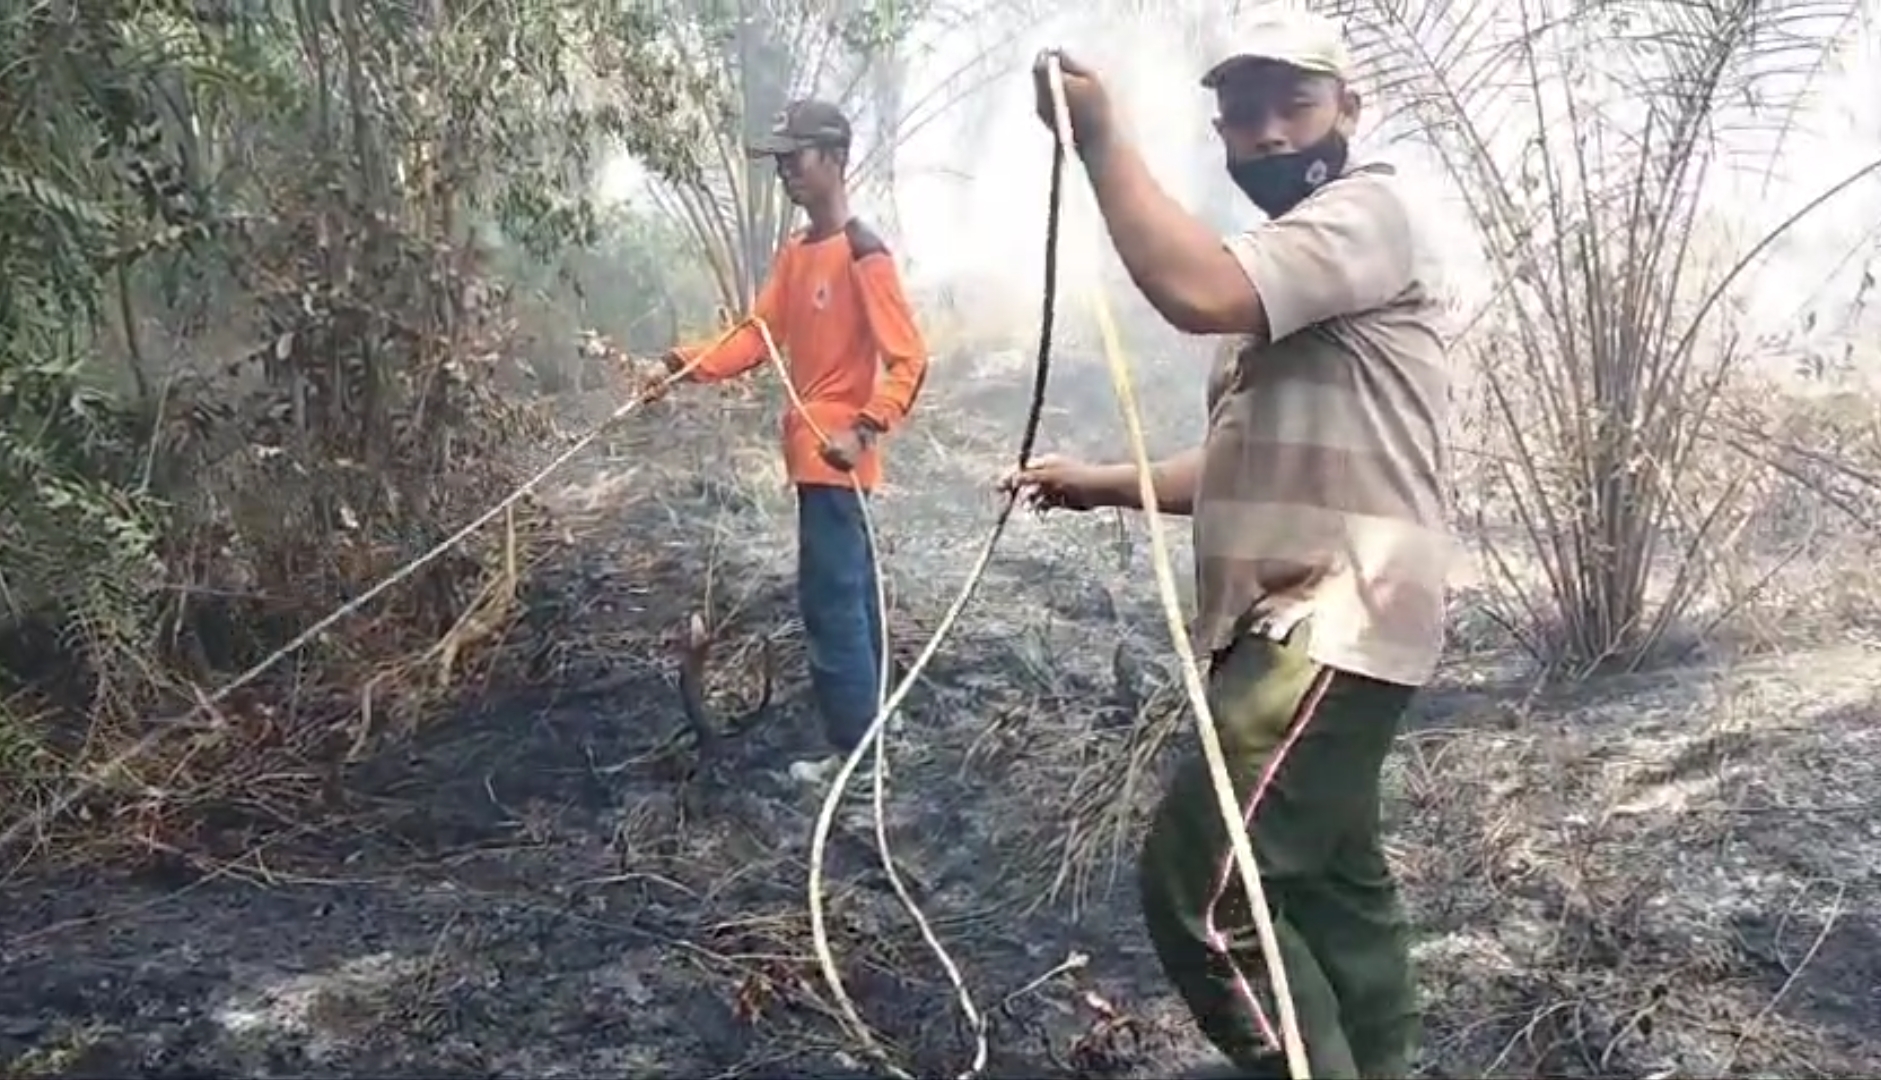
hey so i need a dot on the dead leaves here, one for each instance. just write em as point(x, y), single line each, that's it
point(1114, 1041)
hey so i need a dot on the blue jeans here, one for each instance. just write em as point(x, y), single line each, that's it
point(842, 616)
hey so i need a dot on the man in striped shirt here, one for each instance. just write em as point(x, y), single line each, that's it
point(1320, 542)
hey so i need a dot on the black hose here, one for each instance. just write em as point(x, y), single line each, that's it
point(1041, 373)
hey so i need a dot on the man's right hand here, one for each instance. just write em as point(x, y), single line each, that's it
point(1085, 99)
point(1059, 483)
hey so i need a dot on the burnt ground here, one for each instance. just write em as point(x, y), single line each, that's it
point(1669, 874)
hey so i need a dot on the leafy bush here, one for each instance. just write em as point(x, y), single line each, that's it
point(312, 178)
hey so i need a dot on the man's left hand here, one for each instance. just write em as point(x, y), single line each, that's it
point(845, 448)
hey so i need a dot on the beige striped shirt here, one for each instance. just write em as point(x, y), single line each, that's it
point(1323, 483)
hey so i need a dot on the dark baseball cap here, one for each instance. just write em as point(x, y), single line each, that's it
point(803, 124)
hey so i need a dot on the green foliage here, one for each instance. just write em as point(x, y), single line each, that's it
point(79, 532)
point(313, 177)
point(635, 284)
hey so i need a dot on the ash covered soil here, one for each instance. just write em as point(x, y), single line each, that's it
point(1674, 874)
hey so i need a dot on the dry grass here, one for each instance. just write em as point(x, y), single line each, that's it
point(201, 775)
point(296, 474)
point(1671, 876)
point(1666, 871)
point(1648, 883)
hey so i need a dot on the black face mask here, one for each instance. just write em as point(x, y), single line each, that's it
point(1278, 183)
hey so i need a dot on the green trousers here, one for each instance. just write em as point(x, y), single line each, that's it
point(1305, 745)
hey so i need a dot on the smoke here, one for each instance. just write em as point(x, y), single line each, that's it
point(972, 180)
point(973, 185)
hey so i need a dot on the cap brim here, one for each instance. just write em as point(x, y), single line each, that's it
point(772, 145)
point(1310, 66)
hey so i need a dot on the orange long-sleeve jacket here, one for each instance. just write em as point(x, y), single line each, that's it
point(836, 309)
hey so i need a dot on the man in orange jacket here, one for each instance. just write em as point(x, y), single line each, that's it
point(834, 305)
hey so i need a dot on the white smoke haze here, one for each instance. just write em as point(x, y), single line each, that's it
point(968, 204)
